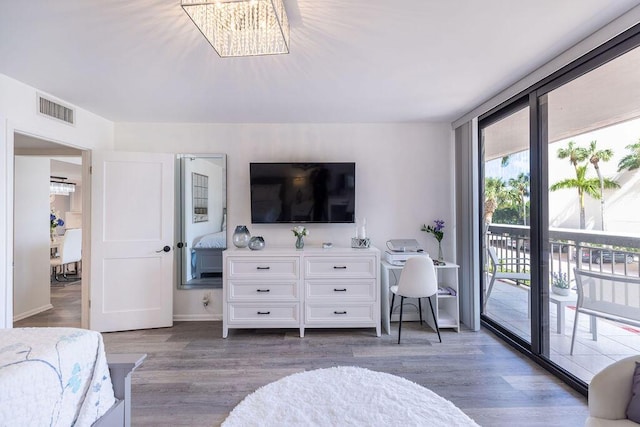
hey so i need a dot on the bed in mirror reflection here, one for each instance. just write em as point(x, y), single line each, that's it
point(203, 219)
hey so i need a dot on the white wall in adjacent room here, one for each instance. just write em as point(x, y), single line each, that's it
point(18, 113)
point(31, 244)
point(404, 178)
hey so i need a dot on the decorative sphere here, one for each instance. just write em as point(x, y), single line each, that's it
point(256, 243)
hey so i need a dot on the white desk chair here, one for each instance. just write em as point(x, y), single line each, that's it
point(418, 280)
point(497, 274)
point(70, 251)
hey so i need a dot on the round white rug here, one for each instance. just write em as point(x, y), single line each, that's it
point(345, 396)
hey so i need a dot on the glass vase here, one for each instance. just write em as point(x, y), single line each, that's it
point(440, 256)
point(256, 243)
point(299, 243)
point(241, 236)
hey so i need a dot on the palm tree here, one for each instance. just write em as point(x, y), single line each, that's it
point(595, 156)
point(631, 161)
point(584, 185)
point(519, 189)
point(494, 194)
point(573, 153)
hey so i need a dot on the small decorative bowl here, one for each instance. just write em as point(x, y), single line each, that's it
point(256, 243)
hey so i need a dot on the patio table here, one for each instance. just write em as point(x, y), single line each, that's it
point(561, 302)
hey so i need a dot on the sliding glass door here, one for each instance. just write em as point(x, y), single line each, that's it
point(592, 131)
point(560, 192)
point(506, 243)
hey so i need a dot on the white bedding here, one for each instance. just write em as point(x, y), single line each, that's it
point(53, 377)
point(213, 240)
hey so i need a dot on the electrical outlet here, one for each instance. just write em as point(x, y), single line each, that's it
point(206, 299)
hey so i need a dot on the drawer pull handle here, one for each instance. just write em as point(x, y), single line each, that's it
point(340, 290)
point(339, 312)
point(263, 290)
point(340, 267)
point(264, 312)
point(263, 268)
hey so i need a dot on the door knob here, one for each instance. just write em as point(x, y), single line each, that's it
point(180, 245)
point(165, 249)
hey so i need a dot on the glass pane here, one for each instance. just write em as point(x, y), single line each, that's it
point(594, 148)
point(506, 292)
point(203, 215)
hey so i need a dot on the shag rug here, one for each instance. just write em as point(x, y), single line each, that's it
point(345, 396)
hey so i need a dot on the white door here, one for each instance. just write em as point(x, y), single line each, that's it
point(132, 205)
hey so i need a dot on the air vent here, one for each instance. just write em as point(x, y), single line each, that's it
point(55, 110)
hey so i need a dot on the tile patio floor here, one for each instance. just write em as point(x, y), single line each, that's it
point(615, 341)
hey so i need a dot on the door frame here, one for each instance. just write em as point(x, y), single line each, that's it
point(9, 156)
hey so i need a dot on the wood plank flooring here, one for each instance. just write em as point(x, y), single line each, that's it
point(66, 308)
point(193, 377)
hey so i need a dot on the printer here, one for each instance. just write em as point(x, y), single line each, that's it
point(400, 250)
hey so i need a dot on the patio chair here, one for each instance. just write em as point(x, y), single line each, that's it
point(607, 296)
point(498, 273)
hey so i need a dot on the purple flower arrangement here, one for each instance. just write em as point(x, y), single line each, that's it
point(437, 230)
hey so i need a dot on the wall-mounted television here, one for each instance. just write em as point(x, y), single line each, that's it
point(302, 192)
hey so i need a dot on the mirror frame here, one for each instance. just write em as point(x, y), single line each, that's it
point(207, 259)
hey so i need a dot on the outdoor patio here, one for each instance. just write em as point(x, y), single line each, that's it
point(508, 306)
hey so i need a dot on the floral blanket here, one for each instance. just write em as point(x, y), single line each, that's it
point(53, 377)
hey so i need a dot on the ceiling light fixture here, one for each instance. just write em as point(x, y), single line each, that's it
point(241, 27)
point(58, 186)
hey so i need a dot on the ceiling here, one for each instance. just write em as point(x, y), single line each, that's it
point(350, 61)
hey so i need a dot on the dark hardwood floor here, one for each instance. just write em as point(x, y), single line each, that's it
point(193, 377)
point(65, 298)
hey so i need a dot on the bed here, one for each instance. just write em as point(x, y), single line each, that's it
point(62, 377)
point(206, 256)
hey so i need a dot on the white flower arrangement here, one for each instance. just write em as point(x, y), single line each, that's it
point(300, 231)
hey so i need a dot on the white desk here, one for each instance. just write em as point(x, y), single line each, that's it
point(446, 306)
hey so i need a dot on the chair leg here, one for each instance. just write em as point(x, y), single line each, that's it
point(486, 298)
point(575, 330)
point(400, 323)
point(393, 299)
point(420, 309)
point(435, 319)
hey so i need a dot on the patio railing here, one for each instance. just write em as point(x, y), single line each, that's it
point(568, 248)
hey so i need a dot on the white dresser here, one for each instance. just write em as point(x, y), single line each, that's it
point(309, 288)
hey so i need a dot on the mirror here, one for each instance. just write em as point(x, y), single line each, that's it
point(202, 234)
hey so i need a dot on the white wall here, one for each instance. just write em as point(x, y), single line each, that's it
point(18, 113)
point(6, 227)
point(31, 230)
point(404, 178)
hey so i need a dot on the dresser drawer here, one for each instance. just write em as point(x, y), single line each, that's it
point(343, 267)
point(263, 268)
point(251, 313)
point(341, 290)
point(339, 313)
point(256, 291)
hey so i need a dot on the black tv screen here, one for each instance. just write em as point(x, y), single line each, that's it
point(302, 192)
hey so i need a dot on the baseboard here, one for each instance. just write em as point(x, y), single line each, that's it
point(196, 317)
point(32, 312)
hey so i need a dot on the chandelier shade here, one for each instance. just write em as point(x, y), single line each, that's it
point(241, 27)
point(57, 186)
